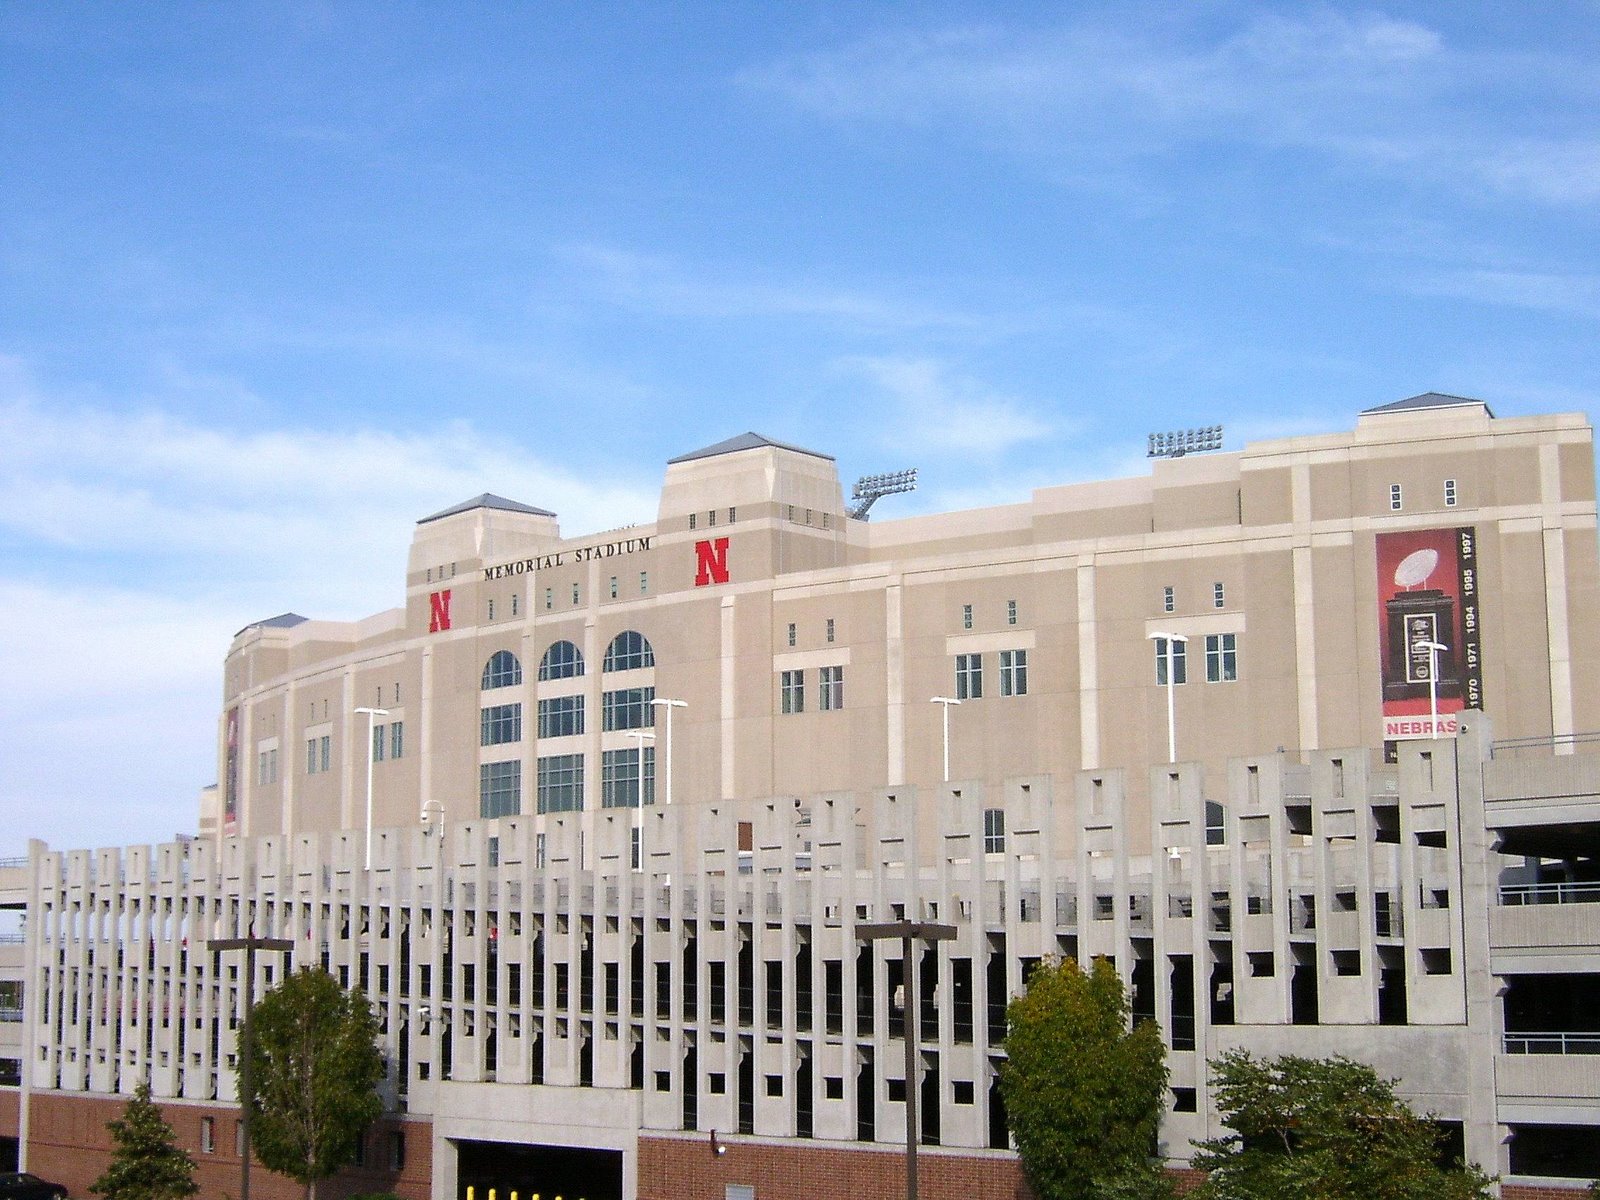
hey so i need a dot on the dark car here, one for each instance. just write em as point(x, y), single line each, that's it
point(19, 1185)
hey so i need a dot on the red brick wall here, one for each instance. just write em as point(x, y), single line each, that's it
point(10, 1112)
point(68, 1143)
point(1527, 1191)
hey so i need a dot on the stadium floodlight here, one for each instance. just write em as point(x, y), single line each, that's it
point(1178, 442)
point(869, 487)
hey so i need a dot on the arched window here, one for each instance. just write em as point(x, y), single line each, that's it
point(502, 670)
point(562, 661)
point(628, 651)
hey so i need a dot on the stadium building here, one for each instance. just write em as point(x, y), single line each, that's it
point(620, 831)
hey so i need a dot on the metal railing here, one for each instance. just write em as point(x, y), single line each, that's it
point(1514, 895)
point(1516, 747)
point(1552, 1043)
point(18, 861)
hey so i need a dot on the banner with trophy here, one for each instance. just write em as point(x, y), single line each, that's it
point(1428, 630)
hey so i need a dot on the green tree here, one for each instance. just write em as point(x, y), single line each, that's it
point(1322, 1129)
point(146, 1161)
point(315, 1070)
point(1083, 1092)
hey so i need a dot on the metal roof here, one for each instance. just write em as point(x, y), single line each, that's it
point(487, 500)
point(744, 441)
point(281, 621)
point(1429, 400)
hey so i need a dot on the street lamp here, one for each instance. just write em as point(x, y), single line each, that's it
point(908, 931)
point(1172, 679)
point(249, 945)
point(640, 736)
point(1434, 649)
point(669, 705)
point(947, 701)
point(372, 715)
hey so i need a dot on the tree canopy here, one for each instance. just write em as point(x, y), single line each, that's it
point(1322, 1129)
point(146, 1161)
point(1083, 1092)
point(315, 1070)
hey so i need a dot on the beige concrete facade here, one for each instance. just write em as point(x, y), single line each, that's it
point(559, 965)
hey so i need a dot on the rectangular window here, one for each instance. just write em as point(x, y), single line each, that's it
point(538, 857)
point(378, 743)
point(500, 725)
point(627, 708)
point(711, 518)
point(311, 756)
point(1011, 612)
point(560, 716)
point(491, 610)
point(1222, 658)
point(1449, 493)
point(1180, 668)
point(731, 512)
point(791, 633)
point(620, 785)
point(969, 677)
point(830, 630)
point(561, 783)
point(325, 751)
point(499, 789)
point(1169, 600)
point(397, 739)
point(549, 599)
point(208, 1135)
point(575, 593)
point(693, 519)
point(397, 1150)
point(514, 605)
point(966, 616)
point(1013, 672)
point(1394, 497)
point(994, 831)
point(1219, 598)
point(644, 582)
point(615, 588)
point(792, 689)
point(830, 690)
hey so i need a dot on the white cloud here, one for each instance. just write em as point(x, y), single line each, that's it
point(1360, 88)
point(135, 544)
point(935, 411)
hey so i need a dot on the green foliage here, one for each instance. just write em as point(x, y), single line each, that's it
point(1322, 1129)
point(1083, 1092)
point(146, 1162)
point(315, 1070)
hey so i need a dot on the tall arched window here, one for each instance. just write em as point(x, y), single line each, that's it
point(562, 661)
point(628, 651)
point(502, 670)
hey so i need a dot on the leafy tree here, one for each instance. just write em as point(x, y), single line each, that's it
point(1322, 1129)
point(146, 1163)
point(315, 1069)
point(1083, 1091)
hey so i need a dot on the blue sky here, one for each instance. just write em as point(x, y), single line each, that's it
point(277, 280)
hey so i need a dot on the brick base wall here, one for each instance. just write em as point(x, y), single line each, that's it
point(68, 1143)
point(1542, 1191)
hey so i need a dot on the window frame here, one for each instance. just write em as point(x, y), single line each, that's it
point(1014, 672)
point(969, 677)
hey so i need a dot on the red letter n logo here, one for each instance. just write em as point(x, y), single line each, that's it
point(438, 611)
point(711, 562)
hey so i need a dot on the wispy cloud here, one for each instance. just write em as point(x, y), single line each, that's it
point(1362, 88)
point(932, 409)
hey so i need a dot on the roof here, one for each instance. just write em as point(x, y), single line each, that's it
point(744, 441)
point(281, 621)
point(1429, 400)
point(487, 500)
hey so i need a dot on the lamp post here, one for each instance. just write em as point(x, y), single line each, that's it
point(1434, 649)
point(372, 715)
point(249, 945)
point(1170, 639)
point(946, 701)
point(669, 705)
point(908, 931)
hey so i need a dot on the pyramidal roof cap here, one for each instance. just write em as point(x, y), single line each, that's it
point(487, 500)
point(281, 621)
point(1429, 400)
point(744, 441)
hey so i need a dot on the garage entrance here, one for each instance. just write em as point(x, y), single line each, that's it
point(571, 1172)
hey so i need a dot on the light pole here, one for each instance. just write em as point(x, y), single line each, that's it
point(1434, 649)
point(946, 701)
point(1170, 639)
point(640, 736)
point(249, 945)
point(908, 931)
point(372, 715)
point(669, 705)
